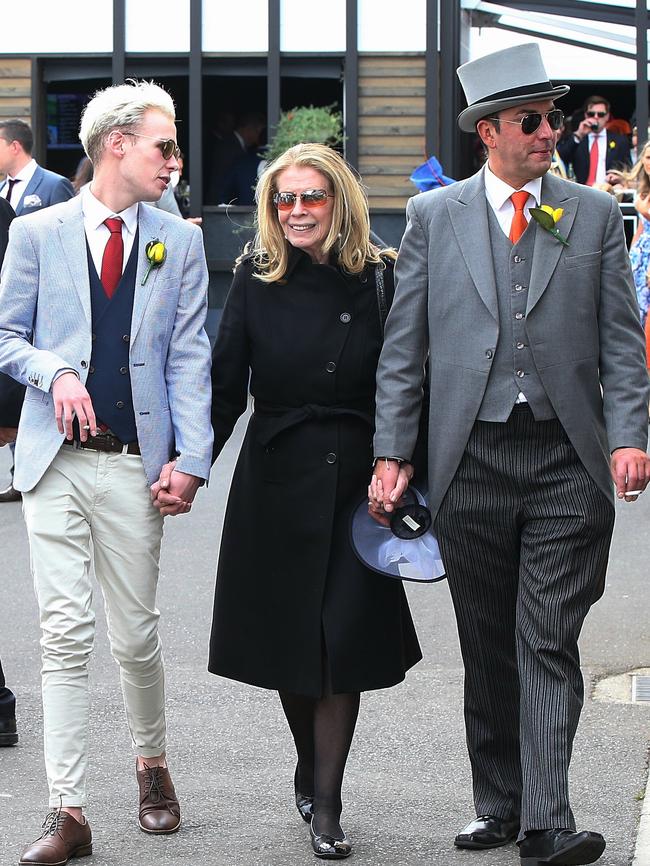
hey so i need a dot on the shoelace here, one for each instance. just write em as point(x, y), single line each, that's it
point(154, 788)
point(53, 822)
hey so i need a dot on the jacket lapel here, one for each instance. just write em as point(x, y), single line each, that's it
point(547, 249)
point(469, 220)
point(75, 254)
point(150, 228)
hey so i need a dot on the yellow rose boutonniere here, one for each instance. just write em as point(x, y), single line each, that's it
point(547, 217)
point(156, 253)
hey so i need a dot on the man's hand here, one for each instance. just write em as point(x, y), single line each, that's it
point(387, 486)
point(7, 435)
point(174, 491)
point(584, 128)
point(70, 399)
point(630, 468)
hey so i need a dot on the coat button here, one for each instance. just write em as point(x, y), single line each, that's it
point(120, 404)
point(91, 369)
point(519, 316)
point(84, 364)
point(489, 353)
point(345, 318)
point(330, 366)
point(520, 374)
point(519, 288)
point(123, 371)
point(331, 457)
point(126, 338)
point(521, 345)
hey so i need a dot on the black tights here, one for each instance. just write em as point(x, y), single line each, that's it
point(322, 730)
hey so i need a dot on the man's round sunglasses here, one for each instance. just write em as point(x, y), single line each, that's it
point(168, 146)
point(310, 198)
point(530, 123)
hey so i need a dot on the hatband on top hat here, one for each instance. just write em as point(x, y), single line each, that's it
point(504, 79)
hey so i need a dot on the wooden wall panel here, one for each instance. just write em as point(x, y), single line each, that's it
point(15, 88)
point(391, 126)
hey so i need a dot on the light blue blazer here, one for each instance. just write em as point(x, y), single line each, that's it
point(46, 325)
point(44, 189)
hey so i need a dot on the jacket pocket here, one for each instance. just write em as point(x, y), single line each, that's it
point(584, 260)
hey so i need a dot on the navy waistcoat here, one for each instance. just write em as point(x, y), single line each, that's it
point(109, 379)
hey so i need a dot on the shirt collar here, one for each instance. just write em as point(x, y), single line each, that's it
point(26, 172)
point(95, 212)
point(498, 191)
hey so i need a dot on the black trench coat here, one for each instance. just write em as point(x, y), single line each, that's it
point(291, 595)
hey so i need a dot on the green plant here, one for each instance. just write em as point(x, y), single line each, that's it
point(321, 124)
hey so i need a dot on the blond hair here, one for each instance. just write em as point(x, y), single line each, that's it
point(122, 107)
point(349, 234)
point(637, 176)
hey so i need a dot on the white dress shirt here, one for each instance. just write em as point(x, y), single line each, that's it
point(97, 234)
point(22, 177)
point(498, 194)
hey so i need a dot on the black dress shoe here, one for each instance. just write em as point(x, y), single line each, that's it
point(563, 847)
point(304, 803)
point(329, 848)
point(10, 494)
point(8, 734)
point(487, 831)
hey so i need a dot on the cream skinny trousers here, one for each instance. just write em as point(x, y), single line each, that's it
point(93, 509)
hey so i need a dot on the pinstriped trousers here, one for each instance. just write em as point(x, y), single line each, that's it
point(524, 533)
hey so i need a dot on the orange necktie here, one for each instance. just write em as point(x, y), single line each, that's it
point(519, 221)
point(593, 163)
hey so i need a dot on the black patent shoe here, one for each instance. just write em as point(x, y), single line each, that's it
point(8, 732)
point(304, 804)
point(329, 848)
point(563, 847)
point(487, 831)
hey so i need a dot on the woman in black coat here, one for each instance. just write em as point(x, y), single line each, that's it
point(294, 609)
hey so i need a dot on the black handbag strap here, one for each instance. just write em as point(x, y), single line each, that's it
point(384, 293)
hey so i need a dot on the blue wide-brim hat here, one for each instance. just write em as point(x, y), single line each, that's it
point(504, 79)
point(430, 175)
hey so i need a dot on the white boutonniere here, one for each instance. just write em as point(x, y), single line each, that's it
point(548, 217)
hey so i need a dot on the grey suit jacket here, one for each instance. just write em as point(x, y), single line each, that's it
point(582, 323)
point(46, 325)
point(44, 189)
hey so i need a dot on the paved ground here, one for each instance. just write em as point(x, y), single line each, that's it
point(408, 788)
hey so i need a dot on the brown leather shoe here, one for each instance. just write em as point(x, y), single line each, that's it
point(159, 809)
point(62, 838)
point(10, 494)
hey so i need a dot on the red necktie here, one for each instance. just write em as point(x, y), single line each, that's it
point(113, 256)
point(10, 187)
point(519, 221)
point(593, 163)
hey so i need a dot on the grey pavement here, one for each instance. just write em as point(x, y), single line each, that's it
point(407, 790)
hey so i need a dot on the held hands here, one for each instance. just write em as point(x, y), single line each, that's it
point(386, 488)
point(174, 491)
point(630, 468)
point(8, 435)
point(70, 399)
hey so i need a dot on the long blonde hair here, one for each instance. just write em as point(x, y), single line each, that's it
point(349, 234)
point(638, 176)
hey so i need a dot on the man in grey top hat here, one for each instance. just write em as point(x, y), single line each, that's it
point(538, 402)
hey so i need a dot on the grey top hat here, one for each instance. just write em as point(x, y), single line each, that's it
point(502, 80)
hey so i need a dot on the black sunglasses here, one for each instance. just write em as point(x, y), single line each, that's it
point(596, 113)
point(168, 146)
point(530, 123)
point(309, 198)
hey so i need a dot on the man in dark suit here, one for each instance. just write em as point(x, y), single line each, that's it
point(11, 400)
point(535, 410)
point(27, 188)
point(592, 150)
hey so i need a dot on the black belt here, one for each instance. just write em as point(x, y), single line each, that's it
point(276, 418)
point(105, 442)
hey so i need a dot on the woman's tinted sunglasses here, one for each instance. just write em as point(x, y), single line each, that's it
point(530, 123)
point(310, 198)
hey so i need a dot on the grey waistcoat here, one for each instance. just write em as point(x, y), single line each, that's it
point(513, 368)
